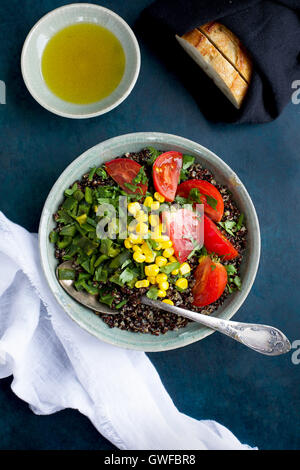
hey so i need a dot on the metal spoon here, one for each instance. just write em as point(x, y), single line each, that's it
point(262, 338)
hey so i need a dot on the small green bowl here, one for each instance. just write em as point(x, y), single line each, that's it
point(106, 151)
point(53, 22)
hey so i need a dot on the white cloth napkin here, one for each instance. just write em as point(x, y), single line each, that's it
point(58, 365)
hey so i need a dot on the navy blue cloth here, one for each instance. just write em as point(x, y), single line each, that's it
point(270, 31)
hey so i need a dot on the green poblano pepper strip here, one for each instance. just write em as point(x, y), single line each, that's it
point(53, 237)
point(88, 195)
point(68, 230)
point(66, 274)
point(66, 241)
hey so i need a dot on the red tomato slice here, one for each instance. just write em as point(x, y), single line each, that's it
point(216, 242)
point(185, 230)
point(166, 172)
point(211, 280)
point(206, 189)
point(124, 170)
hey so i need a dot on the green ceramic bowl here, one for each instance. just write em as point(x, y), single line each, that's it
point(106, 151)
point(53, 22)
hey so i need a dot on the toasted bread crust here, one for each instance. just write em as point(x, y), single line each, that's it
point(226, 77)
point(230, 46)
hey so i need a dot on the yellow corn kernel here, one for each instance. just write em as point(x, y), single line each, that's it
point(133, 208)
point(185, 268)
point(168, 252)
point(148, 201)
point(145, 249)
point(141, 228)
point(158, 246)
point(172, 259)
point(152, 279)
point(167, 244)
point(164, 285)
point(168, 301)
point(138, 257)
point(81, 219)
point(161, 293)
point(141, 216)
point(161, 277)
point(150, 256)
point(159, 197)
point(151, 270)
point(201, 258)
point(155, 206)
point(182, 283)
point(155, 233)
point(161, 261)
point(175, 272)
point(127, 243)
point(135, 239)
point(162, 227)
point(132, 226)
point(154, 220)
point(137, 248)
point(143, 283)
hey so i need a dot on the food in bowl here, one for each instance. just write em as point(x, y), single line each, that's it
point(83, 63)
point(176, 271)
point(222, 57)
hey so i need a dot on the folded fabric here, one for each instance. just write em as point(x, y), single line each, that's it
point(58, 365)
point(270, 31)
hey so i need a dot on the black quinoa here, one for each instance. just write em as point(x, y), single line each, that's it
point(136, 317)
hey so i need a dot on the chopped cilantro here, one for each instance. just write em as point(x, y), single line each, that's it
point(231, 269)
point(211, 201)
point(237, 281)
point(140, 177)
point(168, 268)
point(91, 173)
point(187, 161)
point(194, 195)
point(181, 200)
point(239, 222)
point(127, 275)
point(102, 173)
point(229, 226)
point(153, 155)
point(152, 293)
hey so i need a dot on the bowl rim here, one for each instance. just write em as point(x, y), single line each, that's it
point(105, 110)
point(154, 138)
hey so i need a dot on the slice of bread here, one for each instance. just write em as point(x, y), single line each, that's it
point(230, 46)
point(215, 65)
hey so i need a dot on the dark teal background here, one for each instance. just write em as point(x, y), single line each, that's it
point(255, 396)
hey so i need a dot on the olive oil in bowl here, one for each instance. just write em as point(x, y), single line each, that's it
point(83, 63)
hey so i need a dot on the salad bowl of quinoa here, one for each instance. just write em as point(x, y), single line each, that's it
point(115, 212)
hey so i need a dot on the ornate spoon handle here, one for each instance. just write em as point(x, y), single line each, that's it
point(262, 338)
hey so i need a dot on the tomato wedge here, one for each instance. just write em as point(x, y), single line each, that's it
point(209, 196)
point(123, 171)
point(185, 230)
point(216, 242)
point(211, 280)
point(166, 173)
